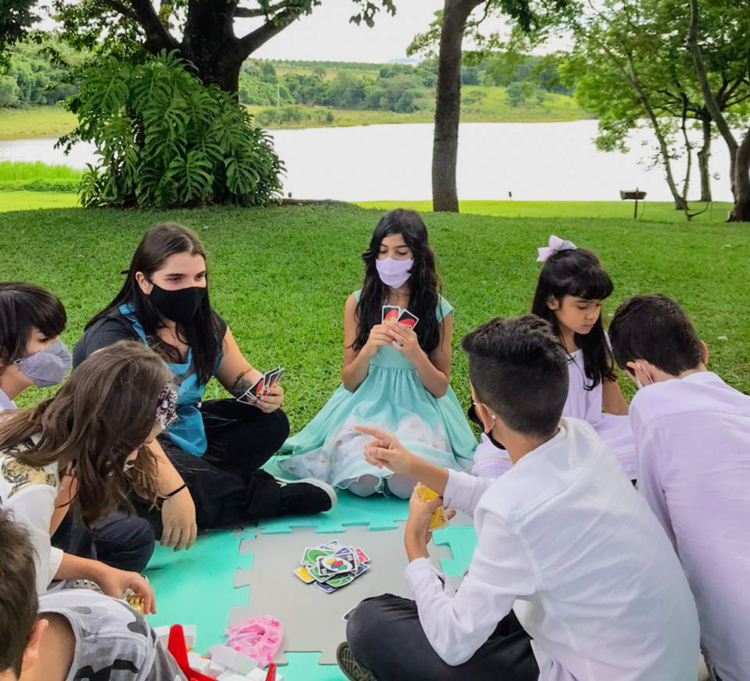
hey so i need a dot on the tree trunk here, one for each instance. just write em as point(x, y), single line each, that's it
point(689, 152)
point(739, 167)
point(210, 44)
point(448, 105)
point(679, 203)
point(741, 210)
point(704, 162)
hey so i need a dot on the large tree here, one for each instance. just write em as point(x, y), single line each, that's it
point(736, 14)
point(201, 31)
point(630, 66)
point(448, 31)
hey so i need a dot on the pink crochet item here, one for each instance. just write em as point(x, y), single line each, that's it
point(259, 638)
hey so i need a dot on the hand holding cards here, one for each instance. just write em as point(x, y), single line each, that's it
point(262, 386)
point(394, 313)
point(439, 519)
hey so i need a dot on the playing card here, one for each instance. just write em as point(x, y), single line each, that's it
point(348, 613)
point(325, 587)
point(318, 575)
point(348, 554)
point(362, 557)
point(311, 555)
point(439, 519)
point(304, 574)
point(334, 565)
point(341, 580)
point(275, 377)
point(390, 314)
point(253, 392)
point(330, 546)
point(408, 318)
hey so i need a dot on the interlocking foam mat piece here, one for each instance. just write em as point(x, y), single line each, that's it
point(195, 586)
point(462, 541)
point(312, 619)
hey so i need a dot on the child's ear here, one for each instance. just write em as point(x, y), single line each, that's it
point(31, 654)
point(553, 303)
point(704, 352)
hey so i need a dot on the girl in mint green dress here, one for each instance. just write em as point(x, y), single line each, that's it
point(395, 376)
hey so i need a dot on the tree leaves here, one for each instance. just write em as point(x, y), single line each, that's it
point(166, 140)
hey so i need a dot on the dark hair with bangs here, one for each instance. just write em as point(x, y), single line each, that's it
point(424, 282)
point(578, 273)
point(24, 307)
point(202, 333)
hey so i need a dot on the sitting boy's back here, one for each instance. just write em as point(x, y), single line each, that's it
point(597, 562)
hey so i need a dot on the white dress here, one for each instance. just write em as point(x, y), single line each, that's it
point(490, 462)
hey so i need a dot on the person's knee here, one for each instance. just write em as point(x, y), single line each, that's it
point(364, 626)
point(401, 486)
point(365, 486)
point(126, 544)
point(278, 429)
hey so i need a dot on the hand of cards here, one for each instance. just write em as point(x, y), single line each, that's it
point(439, 519)
point(332, 565)
point(262, 386)
point(394, 313)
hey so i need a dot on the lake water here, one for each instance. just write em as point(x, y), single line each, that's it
point(533, 161)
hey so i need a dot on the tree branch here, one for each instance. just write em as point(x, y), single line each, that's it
point(247, 13)
point(252, 41)
point(121, 9)
point(157, 36)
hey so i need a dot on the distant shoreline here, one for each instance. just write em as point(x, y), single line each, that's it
point(54, 121)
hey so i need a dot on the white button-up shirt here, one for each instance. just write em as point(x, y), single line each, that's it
point(693, 444)
point(566, 542)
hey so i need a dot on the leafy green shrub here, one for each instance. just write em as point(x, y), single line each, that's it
point(167, 140)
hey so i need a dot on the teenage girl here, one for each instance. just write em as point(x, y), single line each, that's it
point(394, 376)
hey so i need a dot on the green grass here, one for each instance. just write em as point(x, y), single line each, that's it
point(26, 200)
point(43, 121)
point(280, 276)
point(655, 211)
point(38, 177)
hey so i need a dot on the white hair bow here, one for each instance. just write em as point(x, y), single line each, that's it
point(556, 244)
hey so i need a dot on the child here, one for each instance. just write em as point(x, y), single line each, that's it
point(69, 634)
point(570, 561)
point(210, 461)
point(31, 353)
point(692, 437)
point(393, 375)
point(569, 295)
point(95, 429)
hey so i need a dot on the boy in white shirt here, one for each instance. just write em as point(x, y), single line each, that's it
point(566, 548)
point(692, 436)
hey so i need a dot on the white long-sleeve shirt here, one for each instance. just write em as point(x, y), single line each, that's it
point(29, 494)
point(567, 543)
point(693, 444)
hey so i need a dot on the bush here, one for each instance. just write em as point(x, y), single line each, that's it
point(166, 140)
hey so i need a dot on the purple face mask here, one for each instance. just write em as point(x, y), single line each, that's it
point(394, 273)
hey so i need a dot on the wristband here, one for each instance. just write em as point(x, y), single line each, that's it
point(171, 494)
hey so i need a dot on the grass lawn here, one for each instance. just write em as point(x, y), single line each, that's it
point(280, 276)
point(658, 212)
point(28, 200)
point(43, 121)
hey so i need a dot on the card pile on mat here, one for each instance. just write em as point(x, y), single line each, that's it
point(332, 565)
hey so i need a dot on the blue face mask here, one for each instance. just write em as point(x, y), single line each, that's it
point(48, 366)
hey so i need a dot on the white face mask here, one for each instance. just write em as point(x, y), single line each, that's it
point(638, 380)
point(48, 366)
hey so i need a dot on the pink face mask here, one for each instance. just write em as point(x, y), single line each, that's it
point(394, 273)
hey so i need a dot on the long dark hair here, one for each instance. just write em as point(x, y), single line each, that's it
point(578, 273)
point(101, 415)
point(202, 333)
point(23, 307)
point(424, 282)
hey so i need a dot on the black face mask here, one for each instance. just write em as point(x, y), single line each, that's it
point(472, 416)
point(178, 306)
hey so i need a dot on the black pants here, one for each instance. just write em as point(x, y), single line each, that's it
point(123, 542)
point(226, 484)
point(387, 639)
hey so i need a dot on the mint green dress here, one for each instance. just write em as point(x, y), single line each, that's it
point(392, 397)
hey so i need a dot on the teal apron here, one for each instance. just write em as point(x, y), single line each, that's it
point(188, 432)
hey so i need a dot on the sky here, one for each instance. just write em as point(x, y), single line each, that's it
point(327, 35)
